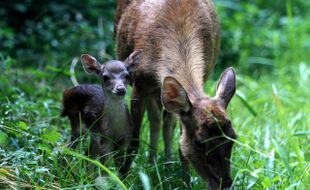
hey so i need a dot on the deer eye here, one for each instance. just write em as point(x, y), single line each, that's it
point(127, 77)
point(106, 78)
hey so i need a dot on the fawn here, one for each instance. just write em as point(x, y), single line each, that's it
point(102, 109)
point(180, 40)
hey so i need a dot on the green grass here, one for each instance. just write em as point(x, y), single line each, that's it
point(270, 113)
point(271, 151)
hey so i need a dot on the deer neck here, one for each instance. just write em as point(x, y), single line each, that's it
point(116, 110)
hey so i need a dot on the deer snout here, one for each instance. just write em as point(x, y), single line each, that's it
point(120, 90)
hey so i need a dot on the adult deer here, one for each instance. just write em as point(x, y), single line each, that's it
point(180, 40)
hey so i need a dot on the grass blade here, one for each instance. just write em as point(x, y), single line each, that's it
point(110, 173)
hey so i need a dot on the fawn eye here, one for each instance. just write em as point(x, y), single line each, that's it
point(127, 77)
point(106, 78)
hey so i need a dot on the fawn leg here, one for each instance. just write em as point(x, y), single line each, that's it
point(120, 160)
point(76, 128)
point(93, 151)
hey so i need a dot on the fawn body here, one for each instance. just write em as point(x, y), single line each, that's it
point(180, 40)
point(102, 109)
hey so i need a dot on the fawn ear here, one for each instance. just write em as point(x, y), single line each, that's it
point(174, 96)
point(133, 60)
point(226, 87)
point(90, 64)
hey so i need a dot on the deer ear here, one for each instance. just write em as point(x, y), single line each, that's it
point(226, 87)
point(174, 96)
point(133, 60)
point(90, 64)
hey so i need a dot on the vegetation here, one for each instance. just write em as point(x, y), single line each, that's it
point(268, 43)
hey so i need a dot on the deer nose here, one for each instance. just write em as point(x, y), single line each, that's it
point(120, 90)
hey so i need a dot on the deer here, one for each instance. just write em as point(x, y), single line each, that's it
point(102, 110)
point(181, 41)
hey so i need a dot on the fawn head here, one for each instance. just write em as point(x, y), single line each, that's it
point(206, 124)
point(114, 75)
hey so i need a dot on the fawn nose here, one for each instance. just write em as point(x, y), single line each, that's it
point(120, 90)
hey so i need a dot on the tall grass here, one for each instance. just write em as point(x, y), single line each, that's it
point(270, 114)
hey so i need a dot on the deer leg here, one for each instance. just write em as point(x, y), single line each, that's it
point(123, 161)
point(168, 128)
point(137, 111)
point(94, 146)
point(93, 150)
point(76, 129)
point(119, 160)
point(185, 170)
point(185, 167)
point(154, 112)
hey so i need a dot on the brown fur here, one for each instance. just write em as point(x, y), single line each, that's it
point(121, 6)
point(184, 35)
point(204, 143)
point(180, 40)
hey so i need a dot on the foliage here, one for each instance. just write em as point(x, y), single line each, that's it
point(267, 42)
point(256, 34)
point(39, 32)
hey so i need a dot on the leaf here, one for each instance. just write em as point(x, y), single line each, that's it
point(54, 69)
point(22, 125)
point(52, 136)
point(243, 99)
point(301, 133)
point(283, 155)
point(266, 182)
point(4, 139)
point(42, 170)
point(44, 147)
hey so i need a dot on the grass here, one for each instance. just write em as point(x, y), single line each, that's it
point(270, 114)
point(272, 149)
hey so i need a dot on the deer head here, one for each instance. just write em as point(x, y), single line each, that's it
point(207, 126)
point(114, 75)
